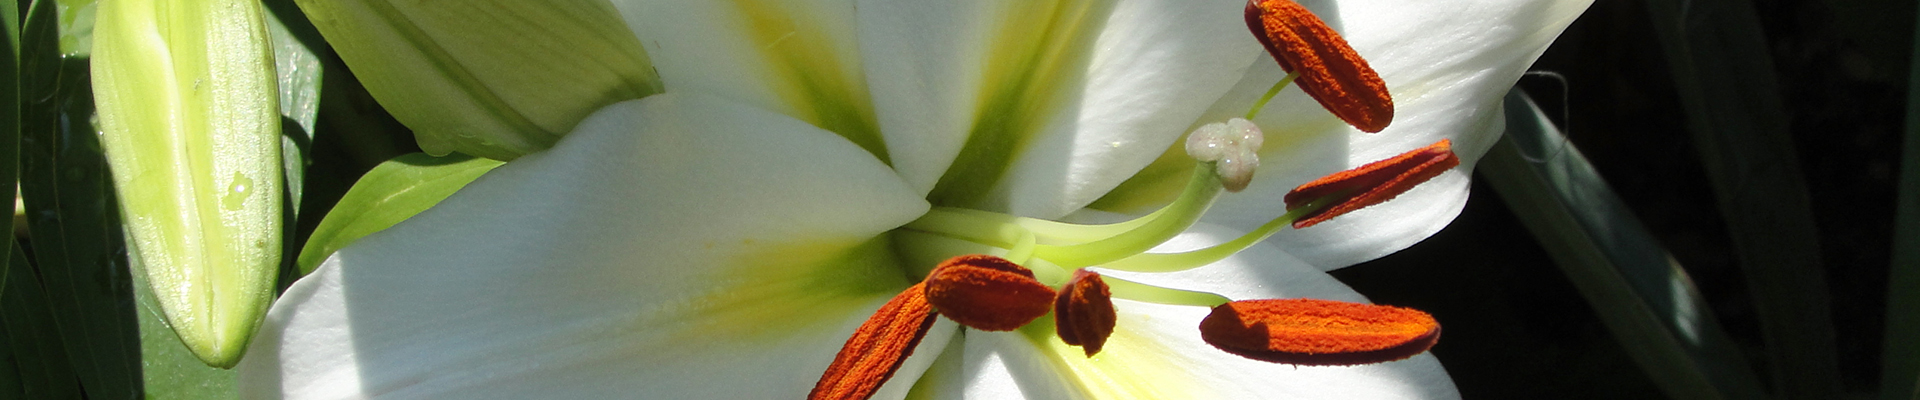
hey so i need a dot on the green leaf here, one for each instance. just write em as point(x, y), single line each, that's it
point(31, 338)
point(72, 215)
point(190, 117)
point(1638, 290)
point(9, 119)
point(390, 193)
point(1900, 363)
point(1723, 72)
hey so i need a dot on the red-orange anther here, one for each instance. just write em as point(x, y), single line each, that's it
point(1371, 184)
point(987, 293)
point(1329, 69)
point(1083, 312)
point(877, 349)
point(1319, 332)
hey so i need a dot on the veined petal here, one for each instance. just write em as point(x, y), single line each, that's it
point(1447, 66)
point(1038, 107)
point(1160, 354)
point(800, 58)
point(678, 246)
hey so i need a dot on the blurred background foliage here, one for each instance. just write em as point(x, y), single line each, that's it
point(1638, 126)
point(1518, 328)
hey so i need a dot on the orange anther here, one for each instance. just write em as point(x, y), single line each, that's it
point(1371, 184)
point(987, 293)
point(1083, 312)
point(877, 349)
point(1329, 69)
point(1319, 332)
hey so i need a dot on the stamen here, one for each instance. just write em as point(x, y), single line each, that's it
point(1130, 290)
point(1173, 262)
point(987, 293)
point(876, 350)
point(1329, 69)
point(1083, 312)
point(1262, 103)
point(1319, 332)
point(1179, 215)
point(1372, 183)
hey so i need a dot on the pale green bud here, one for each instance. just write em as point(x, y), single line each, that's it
point(491, 78)
point(190, 121)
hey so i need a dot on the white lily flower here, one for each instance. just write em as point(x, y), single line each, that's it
point(724, 240)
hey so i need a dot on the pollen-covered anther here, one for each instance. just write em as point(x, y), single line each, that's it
point(1319, 332)
point(1370, 184)
point(1329, 69)
point(1233, 147)
point(877, 348)
point(1083, 312)
point(987, 293)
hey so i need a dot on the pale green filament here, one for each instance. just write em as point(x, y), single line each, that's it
point(1018, 241)
point(1053, 231)
point(1270, 93)
point(1179, 215)
point(1136, 291)
point(1171, 262)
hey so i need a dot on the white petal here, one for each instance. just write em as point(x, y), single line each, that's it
point(1447, 65)
point(1080, 93)
point(1156, 351)
point(675, 246)
point(800, 57)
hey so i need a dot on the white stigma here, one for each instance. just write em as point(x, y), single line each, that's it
point(1232, 146)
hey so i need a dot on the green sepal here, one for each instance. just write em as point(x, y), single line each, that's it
point(392, 192)
point(190, 120)
point(494, 78)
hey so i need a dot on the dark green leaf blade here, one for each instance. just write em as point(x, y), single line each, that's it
point(1723, 71)
point(32, 339)
point(9, 119)
point(1900, 360)
point(1647, 302)
point(73, 217)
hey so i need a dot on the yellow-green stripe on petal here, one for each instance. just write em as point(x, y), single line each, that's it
point(493, 78)
point(190, 119)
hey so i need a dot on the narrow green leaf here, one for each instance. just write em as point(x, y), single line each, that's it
point(1648, 303)
point(32, 339)
point(299, 74)
point(390, 193)
point(72, 215)
point(9, 120)
point(1900, 361)
point(190, 117)
point(1724, 75)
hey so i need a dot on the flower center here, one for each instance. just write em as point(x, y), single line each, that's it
point(1031, 257)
